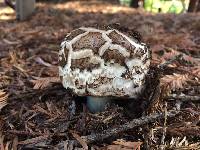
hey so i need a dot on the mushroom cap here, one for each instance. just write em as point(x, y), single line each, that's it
point(94, 62)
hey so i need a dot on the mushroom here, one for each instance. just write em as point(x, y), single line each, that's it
point(103, 63)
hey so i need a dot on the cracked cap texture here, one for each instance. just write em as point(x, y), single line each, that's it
point(98, 62)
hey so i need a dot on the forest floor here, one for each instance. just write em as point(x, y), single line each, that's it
point(38, 113)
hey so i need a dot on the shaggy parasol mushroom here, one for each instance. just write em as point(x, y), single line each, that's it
point(101, 63)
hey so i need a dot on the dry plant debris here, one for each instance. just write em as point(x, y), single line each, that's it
point(42, 83)
point(38, 113)
point(3, 99)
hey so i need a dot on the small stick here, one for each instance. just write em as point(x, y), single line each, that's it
point(27, 133)
point(80, 140)
point(34, 140)
point(162, 146)
point(183, 98)
point(127, 126)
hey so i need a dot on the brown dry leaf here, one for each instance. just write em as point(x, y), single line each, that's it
point(196, 71)
point(11, 42)
point(117, 147)
point(13, 57)
point(175, 81)
point(41, 110)
point(80, 140)
point(121, 144)
point(42, 83)
point(166, 56)
point(15, 143)
point(34, 140)
point(3, 99)
point(184, 131)
point(172, 52)
point(1, 141)
point(5, 145)
point(30, 32)
point(191, 59)
point(181, 40)
point(5, 81)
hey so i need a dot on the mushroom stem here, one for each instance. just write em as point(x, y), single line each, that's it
point(97, 104)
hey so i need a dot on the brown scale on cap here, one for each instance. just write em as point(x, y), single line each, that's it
point(83, 63)
point(120, 40)
point(73, 34)
point(115, 56)
point(93, 40)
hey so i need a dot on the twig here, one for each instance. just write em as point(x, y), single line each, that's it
point(162, 146)
point(80, 140)
point(37, 143)
point(184, 98)
point(35, 140)
point(27, 133)
point(130, 125)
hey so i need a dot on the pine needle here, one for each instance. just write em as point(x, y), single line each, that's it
point(42, 83)
point(175, 81)
point(3, 99)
